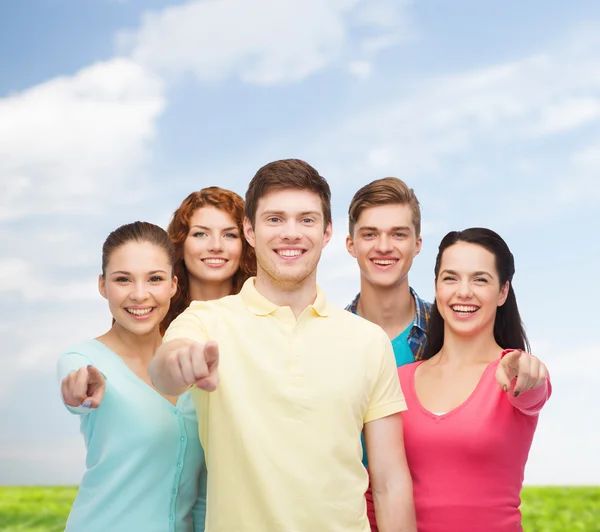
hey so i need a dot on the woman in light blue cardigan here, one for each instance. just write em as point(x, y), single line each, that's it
point(145, 468)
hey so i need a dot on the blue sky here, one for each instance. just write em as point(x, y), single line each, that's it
point(112, 111)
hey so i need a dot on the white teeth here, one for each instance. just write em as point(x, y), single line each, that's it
point(139, 311)
point(384, 262)
point(464, 308)
point(214, 261)
point(289, 252)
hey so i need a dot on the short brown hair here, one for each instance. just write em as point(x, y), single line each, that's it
point(385, 191)
point(285, 174)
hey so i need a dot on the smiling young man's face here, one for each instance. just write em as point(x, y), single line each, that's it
point(288, 236)
point(384, 242)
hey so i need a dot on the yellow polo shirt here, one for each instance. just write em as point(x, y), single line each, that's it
point(281, 433)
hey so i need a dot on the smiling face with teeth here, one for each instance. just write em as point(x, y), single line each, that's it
point(288, 236)
point(138, 285)
point(468, 291)
point(213, 248)
point(384, 242)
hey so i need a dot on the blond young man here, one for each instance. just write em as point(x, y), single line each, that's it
point(285, 383)
point(385, 237)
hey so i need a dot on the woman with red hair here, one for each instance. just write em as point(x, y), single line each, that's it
point(212, 257)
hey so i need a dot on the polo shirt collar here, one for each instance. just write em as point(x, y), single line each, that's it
point(261, 306)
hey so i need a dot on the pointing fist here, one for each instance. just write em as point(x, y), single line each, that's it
point(84, 387)
point(194, 364)
point(528, 370)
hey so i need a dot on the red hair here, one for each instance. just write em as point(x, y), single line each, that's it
point(179, 227)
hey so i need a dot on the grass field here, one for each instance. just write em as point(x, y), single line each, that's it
point(544, 509)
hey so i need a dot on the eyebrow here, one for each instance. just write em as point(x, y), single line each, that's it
point(375, 229)
point(474, 274)
point(208, 228)
point(303, 213)
point(123, 272)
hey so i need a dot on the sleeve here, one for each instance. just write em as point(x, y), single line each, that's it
point(67, 363)
point(531, 402)
point(187, 325)
point(199, 509)
point(386, 396)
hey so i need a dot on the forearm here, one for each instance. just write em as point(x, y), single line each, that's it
point(162, 379)
point(394, 506)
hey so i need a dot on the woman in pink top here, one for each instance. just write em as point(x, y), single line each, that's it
point(476, 397)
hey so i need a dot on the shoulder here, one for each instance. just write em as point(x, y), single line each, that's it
point(201, 308)
point(91, 349)
point(355, 329)
point(80, 355)
point(406, 372)
point(408, 369)
point(341, 315)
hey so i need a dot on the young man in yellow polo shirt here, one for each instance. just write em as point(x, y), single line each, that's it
point(284, 383)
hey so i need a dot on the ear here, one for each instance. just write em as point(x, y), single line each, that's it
point(174, 282)
point(328, 234)
point(249, 232)
point(102, 286)
point(350, 246)
point(418, 245)
point(503, 295)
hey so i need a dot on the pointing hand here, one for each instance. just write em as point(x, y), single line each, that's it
point(528, 371)
point(84, 387)
point(195, 364)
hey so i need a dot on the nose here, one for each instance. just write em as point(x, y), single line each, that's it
point(383, 244)
point(289, 231)
point(215, 243)
point(140, 291)
point(464, 289)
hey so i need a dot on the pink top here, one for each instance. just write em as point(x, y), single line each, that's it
point(467, 465)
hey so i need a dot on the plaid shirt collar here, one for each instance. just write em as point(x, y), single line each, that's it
point(421, 315)
point(417, 337)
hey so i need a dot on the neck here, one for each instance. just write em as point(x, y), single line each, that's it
point(203, 291)
point(392, 308)
point(129, 345)
point(296, 295)
point(465, 350)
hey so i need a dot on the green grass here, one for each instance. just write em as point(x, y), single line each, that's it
point(544, 509)
point(561, 509)
point(35, 509)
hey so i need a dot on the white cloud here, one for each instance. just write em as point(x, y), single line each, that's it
point(360, 69)
point(566, 115)
point(65, 144)
point(262, 42)
point(461, 129)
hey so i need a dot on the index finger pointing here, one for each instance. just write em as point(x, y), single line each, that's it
point(211, 353)
point(523, 374)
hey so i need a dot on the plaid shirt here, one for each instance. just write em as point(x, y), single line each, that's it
point(417, 336)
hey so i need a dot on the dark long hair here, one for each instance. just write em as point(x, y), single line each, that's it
point(509, 331)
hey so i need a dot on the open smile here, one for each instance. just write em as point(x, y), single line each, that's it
point(215, 262)
point(464, 311)
point(140, 313)
point(290, 254)
point(384, 264)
